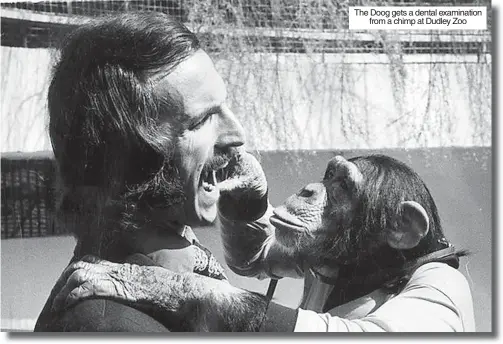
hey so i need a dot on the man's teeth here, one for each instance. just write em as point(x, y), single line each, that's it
point(208, 187)
point(210, 181)
point(213, 177)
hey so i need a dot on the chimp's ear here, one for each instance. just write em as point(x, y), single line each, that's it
point(413, 225)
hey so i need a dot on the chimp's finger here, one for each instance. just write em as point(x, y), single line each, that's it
point(89, 258)
point(83, 291)
point(77, 278)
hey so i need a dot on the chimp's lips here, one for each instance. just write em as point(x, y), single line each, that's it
point(283, 219)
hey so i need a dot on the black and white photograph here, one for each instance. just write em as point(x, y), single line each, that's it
point(247, 166)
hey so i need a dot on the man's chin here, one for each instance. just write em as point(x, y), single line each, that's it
point(206, 206)
point(208, 216)
point(201, 219)
point(204, 214)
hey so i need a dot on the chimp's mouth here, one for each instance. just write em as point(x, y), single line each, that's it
point(282, 218)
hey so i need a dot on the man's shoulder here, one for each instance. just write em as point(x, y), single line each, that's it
point(102, 315)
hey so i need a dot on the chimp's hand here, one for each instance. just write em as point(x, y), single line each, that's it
point(243, 191)
point(94, 277)
point(181, 301)
point(244, 212)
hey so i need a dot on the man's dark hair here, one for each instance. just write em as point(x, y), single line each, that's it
point(103, 112)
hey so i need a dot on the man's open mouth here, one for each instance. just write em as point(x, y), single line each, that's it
point(211, 176)
point(208, 180)
point(214, 172)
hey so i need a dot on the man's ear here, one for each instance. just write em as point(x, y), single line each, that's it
point(412, 226)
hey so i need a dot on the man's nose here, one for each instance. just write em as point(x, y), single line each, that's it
point(230, 131)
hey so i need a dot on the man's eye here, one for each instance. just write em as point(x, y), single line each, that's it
point(198, 124)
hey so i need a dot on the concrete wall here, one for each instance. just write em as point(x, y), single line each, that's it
point(460, 180)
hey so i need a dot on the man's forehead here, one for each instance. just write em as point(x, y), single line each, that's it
point(193, 66)
point(194, 84)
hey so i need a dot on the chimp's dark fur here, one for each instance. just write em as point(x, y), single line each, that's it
point(368, 261)
point(387, 182)
point(358, 245)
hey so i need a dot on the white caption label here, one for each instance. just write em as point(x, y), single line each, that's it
point(418, 18)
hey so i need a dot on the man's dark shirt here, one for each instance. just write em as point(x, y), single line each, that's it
point(105, 315)
point(99, 315)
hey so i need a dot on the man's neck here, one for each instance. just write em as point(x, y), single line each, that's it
point(159, 232)
point(137, 232)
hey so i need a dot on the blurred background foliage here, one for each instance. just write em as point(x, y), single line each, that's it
point(297, 77)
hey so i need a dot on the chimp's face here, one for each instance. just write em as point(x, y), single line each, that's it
point(327, 220)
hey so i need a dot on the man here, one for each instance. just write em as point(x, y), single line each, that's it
point(139, 126)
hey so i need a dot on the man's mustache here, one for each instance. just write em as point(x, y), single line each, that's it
point(220, 159)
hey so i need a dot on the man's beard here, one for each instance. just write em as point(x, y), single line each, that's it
point(165, 191)
point(162, 191)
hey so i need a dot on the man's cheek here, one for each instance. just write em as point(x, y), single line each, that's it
point(187, 160)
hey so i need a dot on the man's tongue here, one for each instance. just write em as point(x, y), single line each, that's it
point(209, 181)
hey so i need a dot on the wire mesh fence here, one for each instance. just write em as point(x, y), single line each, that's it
point(28, 195)
point(297, 77)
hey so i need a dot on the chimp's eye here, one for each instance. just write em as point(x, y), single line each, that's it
point(329, 174)
point(344, 184)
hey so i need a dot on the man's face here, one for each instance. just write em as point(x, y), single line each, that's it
point(209, 132)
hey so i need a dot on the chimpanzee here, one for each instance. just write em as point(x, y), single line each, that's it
point(367, 239)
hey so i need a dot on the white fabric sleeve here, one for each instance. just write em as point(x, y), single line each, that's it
point(436, 299)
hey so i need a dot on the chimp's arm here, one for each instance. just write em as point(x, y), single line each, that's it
point(180, 301)
point(249, 239)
